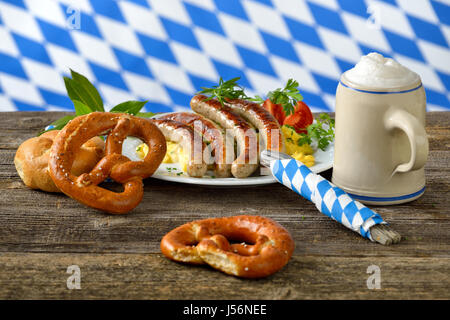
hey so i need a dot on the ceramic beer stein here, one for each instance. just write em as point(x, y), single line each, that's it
point(381, 145)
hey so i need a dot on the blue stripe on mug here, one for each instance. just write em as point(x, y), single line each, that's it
point(380, 92)
point(383, 199)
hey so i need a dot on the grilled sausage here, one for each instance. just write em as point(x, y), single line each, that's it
point(212, 133)
point(247, 161)
point(263, 120)
point(189, 140)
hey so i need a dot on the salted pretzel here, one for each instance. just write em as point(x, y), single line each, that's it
point(85, 188)
point(263, 247)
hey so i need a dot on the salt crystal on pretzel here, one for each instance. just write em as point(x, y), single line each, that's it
point(85, 188)
point(267, 246)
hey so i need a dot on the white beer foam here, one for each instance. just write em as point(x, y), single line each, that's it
point(376, 71)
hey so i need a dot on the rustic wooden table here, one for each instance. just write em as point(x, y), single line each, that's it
point(41, 234)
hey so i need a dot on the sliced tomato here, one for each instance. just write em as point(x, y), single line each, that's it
point(301, 118)
point(275, 109)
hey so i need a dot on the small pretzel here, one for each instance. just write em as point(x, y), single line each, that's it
point(85, 188)
point(264, 246)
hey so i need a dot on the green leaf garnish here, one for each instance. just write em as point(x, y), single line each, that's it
point(287, 96)
point(81, 108)
point(131, 107)
point(145, 114)
point(317, 132)
point(87, 99)
point(225, 90)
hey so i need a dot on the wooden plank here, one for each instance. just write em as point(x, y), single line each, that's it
point(122, 252)
point(152, 276)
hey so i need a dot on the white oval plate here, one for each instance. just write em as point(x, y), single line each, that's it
point(172, 172)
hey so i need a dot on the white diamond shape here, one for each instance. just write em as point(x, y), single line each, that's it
point(146, 88)
point(360, 30)
point(266, 18)
point(172, 9)
point(340, 45)
point(7, 43)
point(95, 50)
point(286, 181)
point(295, 9)
point(171, 75)
point(142, 20)
point(243, 33)
point(286, 70)
point(194, 61)
point(317, 60)
point(357, 221)
point(218, 47)
point(419, 8)
point(437, 56)
point(119, 35)
point(344, 200)
point(64, 59)
point(298, 180)
point(6, 104)
point(329, 198)
point(393, 18)
point(20, 21)
point(113, 95)
point(48, 10)
point(20, 89)
point(44, 76)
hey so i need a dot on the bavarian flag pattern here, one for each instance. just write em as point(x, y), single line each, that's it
point(329, 199)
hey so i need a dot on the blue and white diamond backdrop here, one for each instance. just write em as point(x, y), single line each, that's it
point(165, 50)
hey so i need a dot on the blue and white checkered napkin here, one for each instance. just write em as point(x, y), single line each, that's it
point(329, 199)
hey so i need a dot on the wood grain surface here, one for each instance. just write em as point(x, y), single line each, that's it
point(41, 234)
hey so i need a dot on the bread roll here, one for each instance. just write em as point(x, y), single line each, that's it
point(32, 157)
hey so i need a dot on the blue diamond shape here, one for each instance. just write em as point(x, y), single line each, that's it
point(336, 211)
point(303, 32)
point(108, 76)
point(442, 11)
point(280, 47)
point(31, 49)
point(180, 33)
point(357, 7)
point(18, 3)
point(23, 106)
point(143, 3)
point(327, 18)
point(204, 18)
point(56, 99)
point(427, 31)
point(323, 187)
point(157, 107)
point(156, 48)
point(228, 72)
point(344, 65)
point(403, 45)
point(314, 100)
point(87, 23)
point(232, 7)
point(350, 210)
point(291, 169)
point(326, 84)
point(108, 8)
point(57, 35)
point(199, 82)
point(178, 97)
point(11, 66)
point(445, 78)
point(437, 98)
point(132, 63)
point(256, 61)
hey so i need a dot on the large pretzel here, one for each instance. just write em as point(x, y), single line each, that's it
point(264, 246)
point(130, 173)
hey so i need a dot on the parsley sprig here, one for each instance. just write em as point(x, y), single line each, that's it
point(287, 97)
point(225, 90)
point(321, 131)
point(87, 99)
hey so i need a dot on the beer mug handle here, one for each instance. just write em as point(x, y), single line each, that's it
point(417, 137)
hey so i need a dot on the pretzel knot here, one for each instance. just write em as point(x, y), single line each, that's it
point(117, 126)
point(261, 247)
